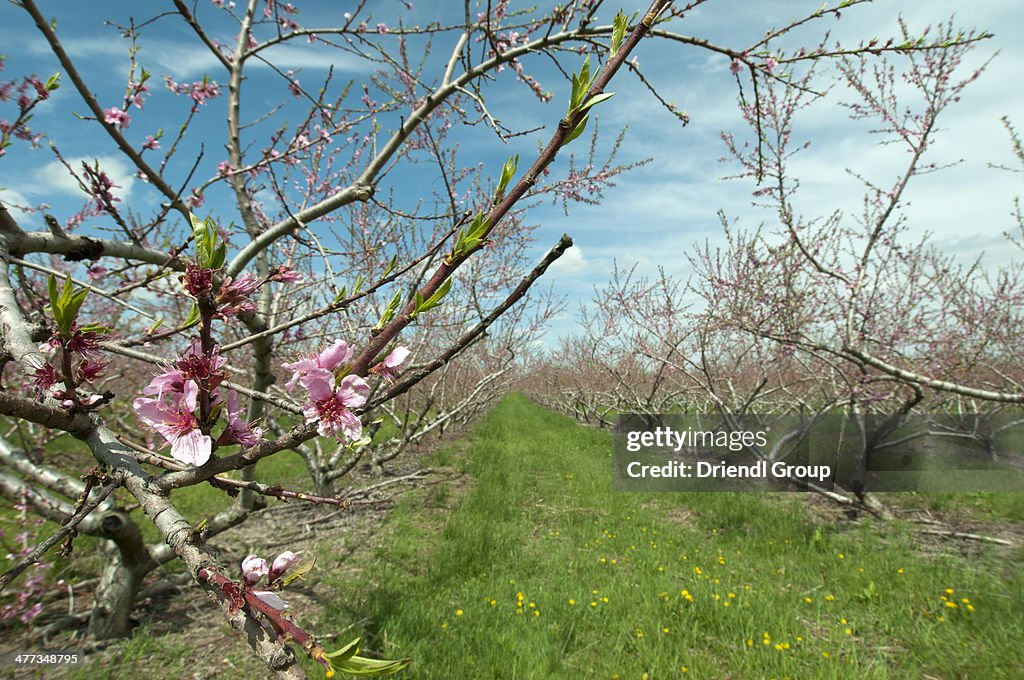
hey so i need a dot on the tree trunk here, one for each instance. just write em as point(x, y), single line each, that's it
point(127, 562)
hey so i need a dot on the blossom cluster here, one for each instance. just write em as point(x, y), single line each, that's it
point(254, 568)
point(331, 400)
point(176, 394)
point(27, 94)
point(199, 91)
point(83, 360)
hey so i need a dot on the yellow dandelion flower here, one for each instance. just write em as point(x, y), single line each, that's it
point(458, 612)
point(970, 607)
point(494, 603)
point(848, 631)
point(750, 642)
point(605, 599)
point(443, 626)
point(808, 599)
point(684, 669)
point(825, 654)
point(536, 612)
point(639, 632)
point(572, 602)
point(949, 591)
point(900, 571)
point(952, 605)
point(841, 556)
point(593, 604)
point(615, 562)
point(665, 630)
point(842, 621)
point(697, 571)
point(732, 595)
point(830, 597)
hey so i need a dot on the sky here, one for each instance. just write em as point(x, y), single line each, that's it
point(656, 214)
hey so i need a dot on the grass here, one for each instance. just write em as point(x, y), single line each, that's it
point(529, 566)
point(538, 570)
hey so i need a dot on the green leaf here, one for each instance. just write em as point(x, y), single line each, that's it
point(209, 254)
point(597, 99)
point(508, 172)
point(346, 652)
point(434, 300)
point(389, 311)
point(340, 296)
point(217, 261)
point(53, 82)
point(471, 236)
point(52, 289)
point(578, 130)
point(391, 266)
point(581, 83)
point(360, 665)
point(300, 571)
point(192, 318)
point(96, 328)
point(75, 303)
point(619, 26)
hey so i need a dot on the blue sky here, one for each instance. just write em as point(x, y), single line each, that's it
point(656, 214)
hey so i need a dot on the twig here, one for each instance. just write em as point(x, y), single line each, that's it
point(67, 529)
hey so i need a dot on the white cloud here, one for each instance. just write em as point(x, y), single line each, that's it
point(54, 177)
point(571, 262)
point(13, 198)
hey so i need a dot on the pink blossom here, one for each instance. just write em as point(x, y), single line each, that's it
point(253, 569)
point(735, 67)
point(116, 117)
point(196, 200)
point(201, 368)
point(175, 421)
point(293, 84)
point(238, 430)
point(770, 64)
point(329, 359)
point(330, 407)
point(151, 143)
point(388, 368)
point(46, 376)
point(224, 168)
point(89, 371)
point(282, 563)
point(197, 280)
point(96, 272)
point(233, 290)
point(382, 28)
point(285, 274)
